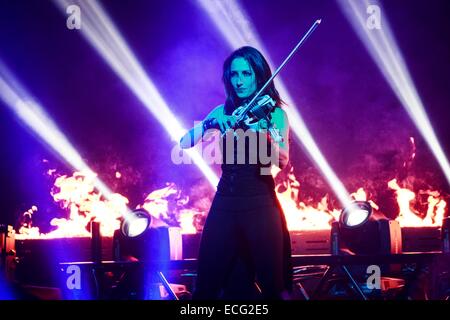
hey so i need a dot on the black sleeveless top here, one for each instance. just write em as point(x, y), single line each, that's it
point(245, 164)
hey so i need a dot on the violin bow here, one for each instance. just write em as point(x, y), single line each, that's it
point(299, 44)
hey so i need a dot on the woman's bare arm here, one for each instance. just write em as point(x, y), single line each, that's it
point(195, 134)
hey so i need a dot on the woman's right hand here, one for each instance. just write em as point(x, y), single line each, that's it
point(224, 122)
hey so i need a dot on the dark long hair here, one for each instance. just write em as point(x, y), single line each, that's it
point(262, 73)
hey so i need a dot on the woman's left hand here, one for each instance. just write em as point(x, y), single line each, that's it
point(263, 124)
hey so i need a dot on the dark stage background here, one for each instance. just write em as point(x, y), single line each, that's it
point(349, 108)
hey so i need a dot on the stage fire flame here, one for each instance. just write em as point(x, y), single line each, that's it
point(78, 196)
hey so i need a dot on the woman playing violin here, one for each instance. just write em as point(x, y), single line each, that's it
point(245, 239)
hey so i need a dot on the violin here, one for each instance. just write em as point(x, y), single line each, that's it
point(259, 110)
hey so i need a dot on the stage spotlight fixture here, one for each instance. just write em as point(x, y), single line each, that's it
point(142, 238)
point(139, 239)
point(364, 230)
point(356, 214)
point(136, 223)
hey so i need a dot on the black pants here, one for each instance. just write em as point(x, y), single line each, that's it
point(245, 240)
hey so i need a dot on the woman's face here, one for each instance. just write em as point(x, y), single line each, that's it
point(242, 78)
